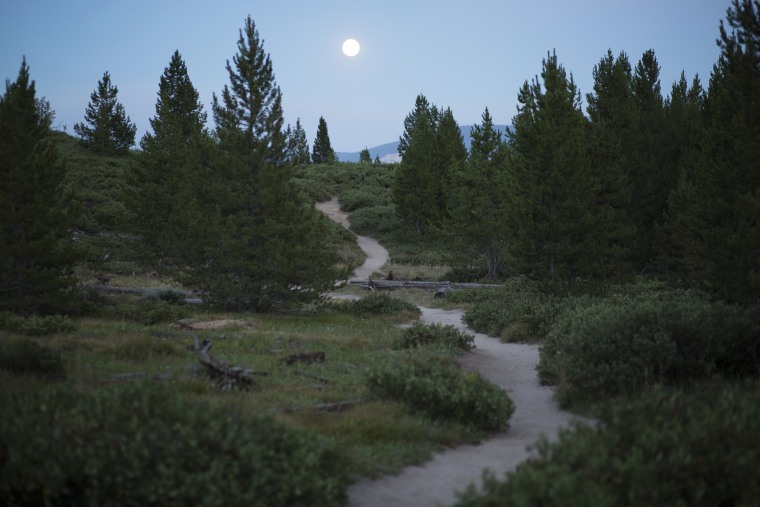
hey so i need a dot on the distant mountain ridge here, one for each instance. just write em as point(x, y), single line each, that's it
point(388, 152)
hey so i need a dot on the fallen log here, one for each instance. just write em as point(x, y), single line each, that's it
point(416, 284)
point(226, 376)
point(304, 357)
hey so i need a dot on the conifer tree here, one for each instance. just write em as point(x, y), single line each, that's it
point(36, 256)
point(272, 241)
point(322, 152)
point(554, 188)
point(174, 202)
point(480, 201)
point(611, 112)
point(415, 185)
point(451, 154)
point(364, 156)
point(650, 181)
point(298, 146)
point(714, 211)
point(107, 128)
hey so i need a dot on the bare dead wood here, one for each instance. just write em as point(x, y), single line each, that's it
point(416, 284)
point(312, 377)
point(338, 406)
point(304, 357)
point(226, 376)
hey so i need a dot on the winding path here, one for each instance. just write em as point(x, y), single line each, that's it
point(511, 367)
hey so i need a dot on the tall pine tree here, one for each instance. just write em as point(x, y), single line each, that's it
point(273, 246)
point(107, 128)
point(611, 112)
point(554, 186)
point(174, 202)
point(322, 152)
point(480, 202)
point(36, 256)
point(298, 146)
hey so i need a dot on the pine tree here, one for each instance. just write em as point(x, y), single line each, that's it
point(298, 146)
point(364, 156)
point(714, 212)
point(480, 201)
point(611, 113)
point(272, 241)
point(108, 130)
point(36, 256)
point(651, 183)
point(415, 185)
point(322, 152)
point(554, 188)
point(174, 201)
point(451, 154)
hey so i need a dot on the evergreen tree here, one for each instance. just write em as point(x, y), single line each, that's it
point(35, 254)
point(108, 130)
point(714, 212)
point(611, 112)
point(554, 188)
point(451, 154)
point(272, 241)
point(174, 198)
point(364, 156)
point(650, 181)
point(322, 152)
point(298, 146)
point(415, 185)
point(480, 201)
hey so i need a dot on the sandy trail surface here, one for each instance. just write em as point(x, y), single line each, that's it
point(510, 366)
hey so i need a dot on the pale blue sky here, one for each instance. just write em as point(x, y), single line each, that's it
point(464, 54)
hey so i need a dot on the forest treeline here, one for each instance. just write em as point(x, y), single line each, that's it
point(635, 183)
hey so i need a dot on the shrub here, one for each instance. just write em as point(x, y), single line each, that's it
point(26, 356)
point(380, 304)
point(665, 449)
point(376, 220)
point(518, 317)
point(445, 338)
point(354, 199)
point(35, 325)
point(603, 347)
point(437, 388)
point(171, 296)
point(148, 312)
point(143, 445)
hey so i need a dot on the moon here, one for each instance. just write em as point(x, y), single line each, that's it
point(351, 47)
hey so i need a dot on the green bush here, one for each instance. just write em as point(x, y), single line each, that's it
point(514, 317)
point(437, 388)
point(171, 296)
point(380, 304)
point(144, 445)
point(672, 449)
point(148, 312)
point(26, 356)
point(604, 347)
point(355, 199)
point(444, 338)
point(35, 325)
point(377, 220)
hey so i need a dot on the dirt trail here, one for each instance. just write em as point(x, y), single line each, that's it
point(376, 254)
point(511, 367)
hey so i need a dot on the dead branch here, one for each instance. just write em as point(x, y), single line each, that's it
point(226, 376)
point(304, 357)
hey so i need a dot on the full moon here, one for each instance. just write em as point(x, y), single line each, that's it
point(351, 47)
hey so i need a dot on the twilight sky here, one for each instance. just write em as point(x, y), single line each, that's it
point(463, 54)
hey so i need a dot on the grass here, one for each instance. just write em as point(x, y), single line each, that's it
point(378, 437)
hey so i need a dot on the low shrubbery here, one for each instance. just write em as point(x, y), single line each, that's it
point(377, 304)
point(513, 317)
point(26, 356)
point(355, 199)
point(376, 221)
point(145, 445)
point(148, 311)
point(437, 388)
point(603, 347)
point(35, 325)
point(444, 338)
point(665, 449)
